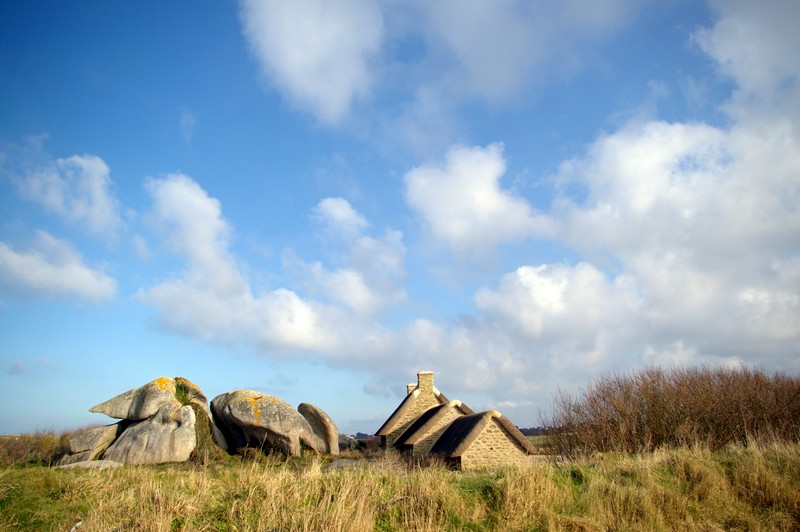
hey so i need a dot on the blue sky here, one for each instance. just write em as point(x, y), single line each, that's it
point(316, 199)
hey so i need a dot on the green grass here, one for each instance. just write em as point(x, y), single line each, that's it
point(754, 487)
point(182, 392)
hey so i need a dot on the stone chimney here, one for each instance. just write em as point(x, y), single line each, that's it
point(410, 388)
point(425, 381)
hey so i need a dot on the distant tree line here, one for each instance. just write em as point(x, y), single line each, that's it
point(533, 431)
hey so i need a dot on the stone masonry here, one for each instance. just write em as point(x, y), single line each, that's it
point(491, 449)
point(424, 396)
point(425, 444)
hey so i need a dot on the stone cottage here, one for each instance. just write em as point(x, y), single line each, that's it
point(482, 441)
point(420, 436)
point(427, 423)
point(419, 398)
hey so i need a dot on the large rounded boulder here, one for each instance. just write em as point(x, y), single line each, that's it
point(252, 419)
point(322, 425)
point(140, 403)
point(167, 436)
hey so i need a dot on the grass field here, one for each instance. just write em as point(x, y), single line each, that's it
point(754, 487)
point(675, 449)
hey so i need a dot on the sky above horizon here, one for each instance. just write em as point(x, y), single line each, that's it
point(317, 199)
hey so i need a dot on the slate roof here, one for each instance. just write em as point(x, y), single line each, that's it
point(429, 419)
point(457, 438)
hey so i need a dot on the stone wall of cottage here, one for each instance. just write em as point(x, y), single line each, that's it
point(424, 445)
point(493, 448)
point(423, 402)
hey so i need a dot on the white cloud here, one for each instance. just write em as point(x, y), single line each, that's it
point(325, 55)
point(494, 44)
point(197, 231)
point(52, 267)
point(213, 300)
point(78, 188)
point(317, 52)
point(339, 217)
point(706, 221)
point(543, 324)
point(688, 236)
point(559, 300)
point(348, 286)
point(493, 49)
point(464, 206)
point(372, 271)
point(754, 43)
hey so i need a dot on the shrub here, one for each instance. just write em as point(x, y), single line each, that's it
point(41, 447)
point(672, 407)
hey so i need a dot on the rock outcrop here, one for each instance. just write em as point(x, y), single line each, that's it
point(140, 403)
point(90, 444)
point(161, 421)
point(169, 420)
point(168, 436)
point(252, 419)
point(322, 425)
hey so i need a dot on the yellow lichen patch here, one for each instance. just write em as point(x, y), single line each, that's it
point(254, 403)
point(165, 383)
point(252, 400)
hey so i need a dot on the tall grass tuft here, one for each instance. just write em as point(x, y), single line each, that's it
point(673, 407)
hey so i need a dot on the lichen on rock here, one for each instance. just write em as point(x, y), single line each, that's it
point(252, 419)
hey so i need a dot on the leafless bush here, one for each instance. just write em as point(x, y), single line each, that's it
point(678, 406)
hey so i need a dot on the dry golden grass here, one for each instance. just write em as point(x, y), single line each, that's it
point(748, 488)
point(42, 447)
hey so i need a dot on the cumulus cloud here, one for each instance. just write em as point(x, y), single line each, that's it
point(324, 55)
point(464, 206)
point(705, 220)
point(687, 233)
point(52, 267)
point(316, 52)
point(753, 44)
point(542, 324)
point(212, 299)
point(560, 300)
point(688, 238)
point(339, 217)
point(78, 188)
point(372, 273)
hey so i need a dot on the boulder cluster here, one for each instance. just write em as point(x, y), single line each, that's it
point(169, 420)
